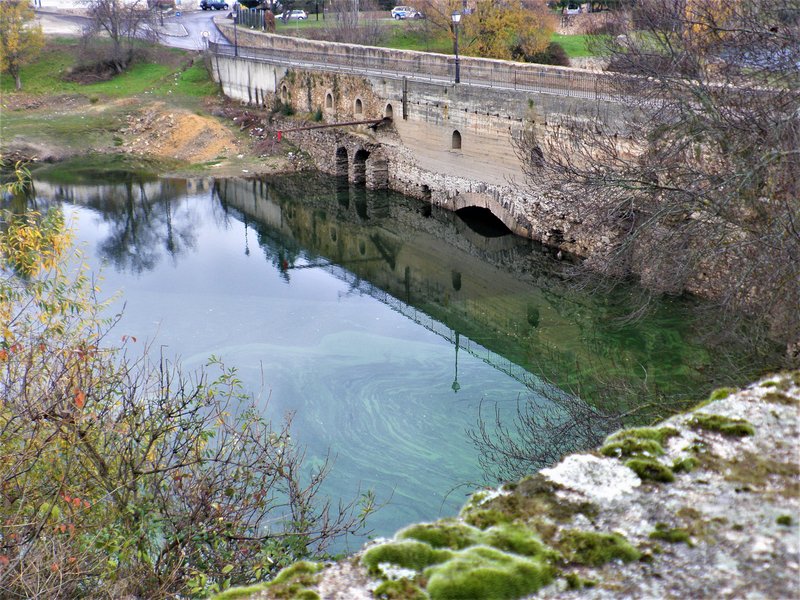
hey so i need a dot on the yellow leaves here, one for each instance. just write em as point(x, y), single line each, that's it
point(21, 38)
point(504, 31)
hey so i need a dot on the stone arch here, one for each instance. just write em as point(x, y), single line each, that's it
point(342, 161)
point(284, 93)
point(455, 141)
point(492, 204)
point(329, 101)
point(360, 166)
point(358, 107)
point(388, 112)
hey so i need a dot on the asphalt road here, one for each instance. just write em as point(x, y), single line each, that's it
point(184, 31)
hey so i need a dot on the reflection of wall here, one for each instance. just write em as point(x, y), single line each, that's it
point(502, 294)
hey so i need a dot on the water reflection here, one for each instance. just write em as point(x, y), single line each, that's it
point(382, 321)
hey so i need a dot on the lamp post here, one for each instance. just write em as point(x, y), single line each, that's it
point(456, 17)
point(235, 36)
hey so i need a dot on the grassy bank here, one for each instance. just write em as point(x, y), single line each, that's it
point(159, 71)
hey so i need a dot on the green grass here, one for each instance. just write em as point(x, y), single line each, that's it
point(161, 75)
point(574, 45)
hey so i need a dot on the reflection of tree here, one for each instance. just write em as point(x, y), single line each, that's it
point(279, 248)
point(143, 223)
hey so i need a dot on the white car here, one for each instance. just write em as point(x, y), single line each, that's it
point(297, 15)
point(405, 12)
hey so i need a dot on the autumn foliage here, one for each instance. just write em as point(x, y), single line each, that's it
point(121, 475)
point(20, 39)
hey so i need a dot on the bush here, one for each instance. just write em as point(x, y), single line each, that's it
point(126, 476)
point(554, 54)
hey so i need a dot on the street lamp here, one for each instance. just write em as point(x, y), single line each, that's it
point(456, 16)
point(235, 36)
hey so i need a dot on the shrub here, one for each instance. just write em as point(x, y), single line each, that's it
point(129, 477)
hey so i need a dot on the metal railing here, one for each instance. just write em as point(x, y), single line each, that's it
point(435, 68)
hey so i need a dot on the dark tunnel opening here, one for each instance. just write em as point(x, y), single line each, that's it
point(483, 222)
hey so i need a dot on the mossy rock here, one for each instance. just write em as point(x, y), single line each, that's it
point(533, 497)
point(482, 573)
point(293, 581)
point(518, 539)
point(657, 434)
point(785, 520)
point(399, 589)
point(576, 582)
point(780, 398)
point(650, 470)
point(727, 426)
point(443, 534)
point(627, 447)
point(407, 555)
point(486, 517)
point(684, 465)
point(595, 549)
point(240, 593)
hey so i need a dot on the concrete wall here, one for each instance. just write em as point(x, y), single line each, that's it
point(248, 81)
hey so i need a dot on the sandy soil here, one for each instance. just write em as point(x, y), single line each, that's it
point(230, 140)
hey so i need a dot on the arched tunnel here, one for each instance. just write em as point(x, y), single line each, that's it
point(483, 222)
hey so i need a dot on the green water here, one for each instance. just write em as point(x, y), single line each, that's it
point(382, 323)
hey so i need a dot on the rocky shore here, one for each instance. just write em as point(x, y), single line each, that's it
point(703, 505)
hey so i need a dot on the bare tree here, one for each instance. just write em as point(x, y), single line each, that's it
point(123, 22)
point(699, 189)
point(347, 24)
point(555, 419)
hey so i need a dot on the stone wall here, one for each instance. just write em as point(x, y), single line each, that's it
point(450, 144)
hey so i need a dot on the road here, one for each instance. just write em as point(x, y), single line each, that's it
point(184, 31)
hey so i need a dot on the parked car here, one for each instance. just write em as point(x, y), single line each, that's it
point(406, 12)
point(297, 15)
point(213, 5)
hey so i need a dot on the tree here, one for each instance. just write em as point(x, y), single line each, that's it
point(20, 39)
point(698, 188)
point(123, 22)
point(126, 477)
point(506, 30)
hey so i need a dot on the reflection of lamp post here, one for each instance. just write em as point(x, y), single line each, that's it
point(456, 386)
point(456, 16)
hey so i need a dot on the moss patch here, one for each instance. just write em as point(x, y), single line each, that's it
point(486, 517)
point(720, 424)
point(785, 520)
point(657, 434)
point(443, 534)
point(482, 573)
point(672, 535)
point(650, 470)
point(408, 555)
point(399, 589)
point(533, 497)
point(780, 398)
point(758, 472)
point(294, 581)
point(595, 549)
point(518, 540)
point(576, 582)
point(627, 447)
point(240, 592)
point(684, 465)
